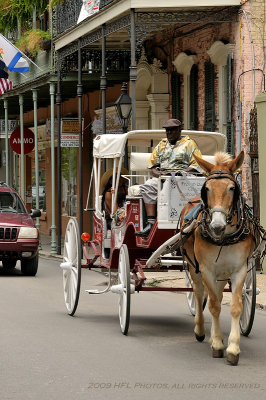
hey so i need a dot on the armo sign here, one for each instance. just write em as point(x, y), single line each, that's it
point(15, 141)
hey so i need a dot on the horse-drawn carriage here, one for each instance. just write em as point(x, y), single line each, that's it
point(115, 246)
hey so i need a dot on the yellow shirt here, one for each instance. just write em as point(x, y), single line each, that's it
point(175, 157)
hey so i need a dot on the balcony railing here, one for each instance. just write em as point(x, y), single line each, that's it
point(68, 13)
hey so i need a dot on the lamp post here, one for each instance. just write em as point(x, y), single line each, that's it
point(123, 109)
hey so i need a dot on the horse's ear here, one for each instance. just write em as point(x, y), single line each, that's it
point(205, 165)
point(236, 163)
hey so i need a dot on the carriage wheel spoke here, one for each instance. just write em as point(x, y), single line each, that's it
point(72, 277)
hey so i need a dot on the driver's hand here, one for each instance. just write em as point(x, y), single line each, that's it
point(156, 172)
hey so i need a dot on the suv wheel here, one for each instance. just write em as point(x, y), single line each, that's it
point(9, 264)
point(29, 267)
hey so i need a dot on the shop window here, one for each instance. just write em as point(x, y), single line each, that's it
point(42, 181)
point(209, 124)
point(176, 84)
point(193, 98)
point(69, 181)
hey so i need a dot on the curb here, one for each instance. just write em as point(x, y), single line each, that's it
point(46, 254)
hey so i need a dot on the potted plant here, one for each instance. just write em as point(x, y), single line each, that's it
point(33, 41)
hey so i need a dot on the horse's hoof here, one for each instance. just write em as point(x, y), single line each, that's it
point(217, 353)
point(232, 359)
point(200, 338)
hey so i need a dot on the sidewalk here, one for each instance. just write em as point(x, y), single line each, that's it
point(164, 279)
point(45, 244)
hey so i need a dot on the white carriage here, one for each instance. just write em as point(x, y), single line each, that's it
point(115, 246)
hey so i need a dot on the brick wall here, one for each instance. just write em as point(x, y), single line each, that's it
point(199, 41)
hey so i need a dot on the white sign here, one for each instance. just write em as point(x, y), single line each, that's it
point(175, 194)
point(69, 140)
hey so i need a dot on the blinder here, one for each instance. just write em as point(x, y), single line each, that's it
point(221, 175)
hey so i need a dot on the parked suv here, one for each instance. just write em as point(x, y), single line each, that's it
point(19, 238)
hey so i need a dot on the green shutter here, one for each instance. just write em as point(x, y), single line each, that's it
point(209, 124)
point(175, 85)
point(193, 97)
point(229, 127)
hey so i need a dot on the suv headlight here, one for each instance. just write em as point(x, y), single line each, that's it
point(28, 233)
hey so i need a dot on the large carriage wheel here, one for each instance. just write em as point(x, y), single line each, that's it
point(249, 300)
point(72, 266)
point(191, 299)
point(124, 296)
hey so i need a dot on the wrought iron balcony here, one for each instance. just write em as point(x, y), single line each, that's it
point(68, 12)
point(104, 3)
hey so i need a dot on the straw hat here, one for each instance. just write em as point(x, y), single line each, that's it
point(109, 173)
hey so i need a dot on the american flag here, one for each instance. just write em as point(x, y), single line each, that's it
point(5, 85)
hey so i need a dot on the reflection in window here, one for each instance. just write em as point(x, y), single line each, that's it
point(42, 180)
point(69, 181)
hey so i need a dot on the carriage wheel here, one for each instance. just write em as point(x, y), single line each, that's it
point(191, 299)
point(124, 280)
point(249, 301)
point(72, 266)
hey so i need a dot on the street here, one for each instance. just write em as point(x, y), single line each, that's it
point(46, 354)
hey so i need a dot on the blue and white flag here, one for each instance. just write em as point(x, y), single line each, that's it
point(12, 56)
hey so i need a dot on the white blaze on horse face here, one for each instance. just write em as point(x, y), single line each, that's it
point(220, 198)
point(218, 223)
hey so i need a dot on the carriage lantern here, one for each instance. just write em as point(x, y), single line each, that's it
point(123, 109)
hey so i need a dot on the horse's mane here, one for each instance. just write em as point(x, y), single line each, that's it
point(222, 158)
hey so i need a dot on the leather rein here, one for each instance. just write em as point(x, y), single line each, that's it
point(239, 208)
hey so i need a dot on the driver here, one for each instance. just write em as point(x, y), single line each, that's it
point(171, 154)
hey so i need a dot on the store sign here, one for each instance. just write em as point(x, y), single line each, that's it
point(70, 140)
point(112, 125)
point(70, 129)
point(12, 123)
point(70, 133)
point(15, 141)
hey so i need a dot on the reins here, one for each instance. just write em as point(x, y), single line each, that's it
point(238, 207)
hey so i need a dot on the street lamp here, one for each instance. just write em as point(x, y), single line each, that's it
point(123, 109)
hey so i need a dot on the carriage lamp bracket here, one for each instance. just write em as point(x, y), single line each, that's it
point(93, 244)
point(138, 280)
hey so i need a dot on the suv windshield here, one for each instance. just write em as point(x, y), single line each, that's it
point(10, 202)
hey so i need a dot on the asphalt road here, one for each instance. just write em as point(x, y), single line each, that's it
point(46, 354)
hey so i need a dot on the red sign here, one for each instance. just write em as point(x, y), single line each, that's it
point(15, 141)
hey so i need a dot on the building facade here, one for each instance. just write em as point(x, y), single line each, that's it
point(199, 62)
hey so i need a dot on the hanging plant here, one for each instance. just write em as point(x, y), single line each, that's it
point(33, 41)
point(12, 10)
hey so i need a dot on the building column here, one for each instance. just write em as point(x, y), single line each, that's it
point(35, 106)
point(103, 82)
point(22, 161)
point(142, 110)
point(133, 69)
point(6, 141)
point(79, 94)
point(159, 106)
point(53, 226)
point(261, 118)
point(59, 184)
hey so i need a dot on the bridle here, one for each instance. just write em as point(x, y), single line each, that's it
point(238, 207)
